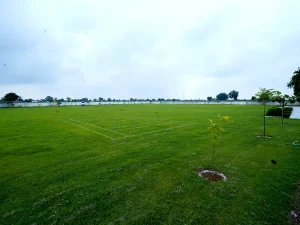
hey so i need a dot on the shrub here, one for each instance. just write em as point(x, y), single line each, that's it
point(276, 111)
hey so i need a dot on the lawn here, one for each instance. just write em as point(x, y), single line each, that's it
point(135, 164)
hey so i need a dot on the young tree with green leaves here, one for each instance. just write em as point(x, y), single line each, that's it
point(283, 100)
point(264, 96)
point(214, 128)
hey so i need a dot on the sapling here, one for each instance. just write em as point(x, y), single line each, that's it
point(214, 129)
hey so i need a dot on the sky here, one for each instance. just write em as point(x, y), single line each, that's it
point(147, 49)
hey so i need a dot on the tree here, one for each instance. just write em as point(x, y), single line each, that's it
point(283, 100)
point(264, 96)
point(209, 98)
point(28, 100)
point(68, 99)
point(11, 97)
point(109, 99)
point(49, 99)
point(253, 98)
point(100, 99)
point(214, 129)
point(295, 82)
point(222, 96)
point(233, 94)
point(84, 99)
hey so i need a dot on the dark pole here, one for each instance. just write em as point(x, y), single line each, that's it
point(282, 112)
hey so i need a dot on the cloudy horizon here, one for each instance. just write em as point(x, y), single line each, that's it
point(147, 49)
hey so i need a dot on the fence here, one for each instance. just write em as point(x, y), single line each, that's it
point(43, 104)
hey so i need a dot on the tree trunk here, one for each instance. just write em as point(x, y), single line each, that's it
point(282, 112)
point(264, 119)
point(213, 154)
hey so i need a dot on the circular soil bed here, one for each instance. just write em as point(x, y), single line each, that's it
point(212, 175)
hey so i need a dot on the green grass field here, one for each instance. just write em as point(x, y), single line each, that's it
point(135, 164)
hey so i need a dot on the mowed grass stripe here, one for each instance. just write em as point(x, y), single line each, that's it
point(88, 129)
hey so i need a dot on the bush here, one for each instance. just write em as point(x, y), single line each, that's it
point(276, 111)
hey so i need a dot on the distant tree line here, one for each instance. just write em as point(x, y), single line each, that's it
point(11, 98)
point(224, 96)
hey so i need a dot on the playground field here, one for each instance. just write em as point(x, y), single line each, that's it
point(135, 164)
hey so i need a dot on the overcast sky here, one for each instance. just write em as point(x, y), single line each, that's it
point(147, 49)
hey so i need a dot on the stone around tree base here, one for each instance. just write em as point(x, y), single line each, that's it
point(266, 136)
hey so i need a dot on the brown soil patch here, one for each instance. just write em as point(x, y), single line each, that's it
point(211, 175)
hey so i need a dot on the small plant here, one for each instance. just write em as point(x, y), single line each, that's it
point(214, 129)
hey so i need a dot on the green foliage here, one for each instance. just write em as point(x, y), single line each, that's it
point(233, 94)
point(214, 127)
point(276, 111)
point(49, 99)
point(295, 82)
point(222, 96)
point(265, 95)
point(11, 97)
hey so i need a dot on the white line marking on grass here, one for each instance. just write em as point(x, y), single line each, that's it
point(142, 124)
point(98, 127)
point(89, 129)
point(155, 131)
point(147, 125)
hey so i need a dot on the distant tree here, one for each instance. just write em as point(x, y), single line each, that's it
point(222, 96)
point(109, 99)
point(209, 98)
point(100, 99)
point(233, 94)
point(295, 82)
point(11, 97)
point(28, 100)
point(253, 98)
point(264, 96)
point(84, 99)
point(49, 99)
point(68, 99)
point(59, 101)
